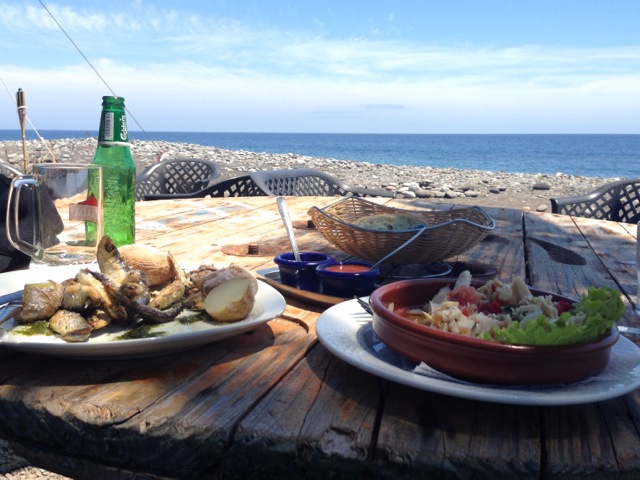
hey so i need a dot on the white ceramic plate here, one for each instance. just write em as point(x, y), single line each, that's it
point(103, 344)
point(345, 330)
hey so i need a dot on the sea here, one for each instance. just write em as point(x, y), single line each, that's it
point(599, 155)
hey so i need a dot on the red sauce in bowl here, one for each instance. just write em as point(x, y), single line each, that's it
point(347, 268)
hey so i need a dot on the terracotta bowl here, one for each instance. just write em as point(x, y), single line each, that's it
point(479, 360)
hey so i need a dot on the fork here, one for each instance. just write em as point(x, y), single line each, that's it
point(9, 310)
point(363, 304)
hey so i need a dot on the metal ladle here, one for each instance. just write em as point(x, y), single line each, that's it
point(284, 214)
point(393, 252)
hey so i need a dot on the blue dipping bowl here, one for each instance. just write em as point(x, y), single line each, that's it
point(347, 284)
point(301, 275)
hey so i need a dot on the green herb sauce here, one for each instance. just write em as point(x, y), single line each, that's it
point(192, 318)
point(142, 331)
point(39, 327)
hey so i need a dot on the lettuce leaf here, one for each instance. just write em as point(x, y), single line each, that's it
point(603, 307)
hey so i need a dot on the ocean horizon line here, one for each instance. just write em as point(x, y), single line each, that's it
point(87, 130)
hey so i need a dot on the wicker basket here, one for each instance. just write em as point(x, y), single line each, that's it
point(448, 233)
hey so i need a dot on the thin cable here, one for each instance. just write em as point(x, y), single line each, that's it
point(88, 62)
point(77, 48)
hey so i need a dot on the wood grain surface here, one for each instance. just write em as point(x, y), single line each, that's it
point(274, 403)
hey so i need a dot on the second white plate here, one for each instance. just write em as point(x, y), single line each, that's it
point(345, 330)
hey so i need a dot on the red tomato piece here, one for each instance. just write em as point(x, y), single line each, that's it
point(465, 295)
point(490, 307)
point(563, 306)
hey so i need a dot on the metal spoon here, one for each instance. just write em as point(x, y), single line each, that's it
point(284, 213)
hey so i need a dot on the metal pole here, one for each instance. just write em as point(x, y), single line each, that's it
point(22, 115)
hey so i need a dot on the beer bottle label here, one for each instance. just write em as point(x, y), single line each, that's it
point(113, 130)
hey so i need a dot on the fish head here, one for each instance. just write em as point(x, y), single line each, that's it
point(106, 246)
point(108, 257)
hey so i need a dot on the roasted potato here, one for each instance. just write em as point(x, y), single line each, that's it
point(229, 294)
point(153, 262)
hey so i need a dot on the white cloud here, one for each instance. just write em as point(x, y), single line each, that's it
point(184, 72)
point(195, 98)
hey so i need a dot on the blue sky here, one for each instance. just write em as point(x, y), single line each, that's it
point(357, 66)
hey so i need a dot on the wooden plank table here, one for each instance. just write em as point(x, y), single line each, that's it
point(275, 402)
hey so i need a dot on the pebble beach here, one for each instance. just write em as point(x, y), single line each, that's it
point(446, 185)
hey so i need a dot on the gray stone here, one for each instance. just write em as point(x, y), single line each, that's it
point(424, 193)
point(452, 194)
point(407, 194)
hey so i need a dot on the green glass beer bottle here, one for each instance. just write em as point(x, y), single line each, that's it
point(113, 154)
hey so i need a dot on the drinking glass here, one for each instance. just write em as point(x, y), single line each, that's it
point(66, 203)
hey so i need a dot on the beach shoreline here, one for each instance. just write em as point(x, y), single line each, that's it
point(438, 185)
